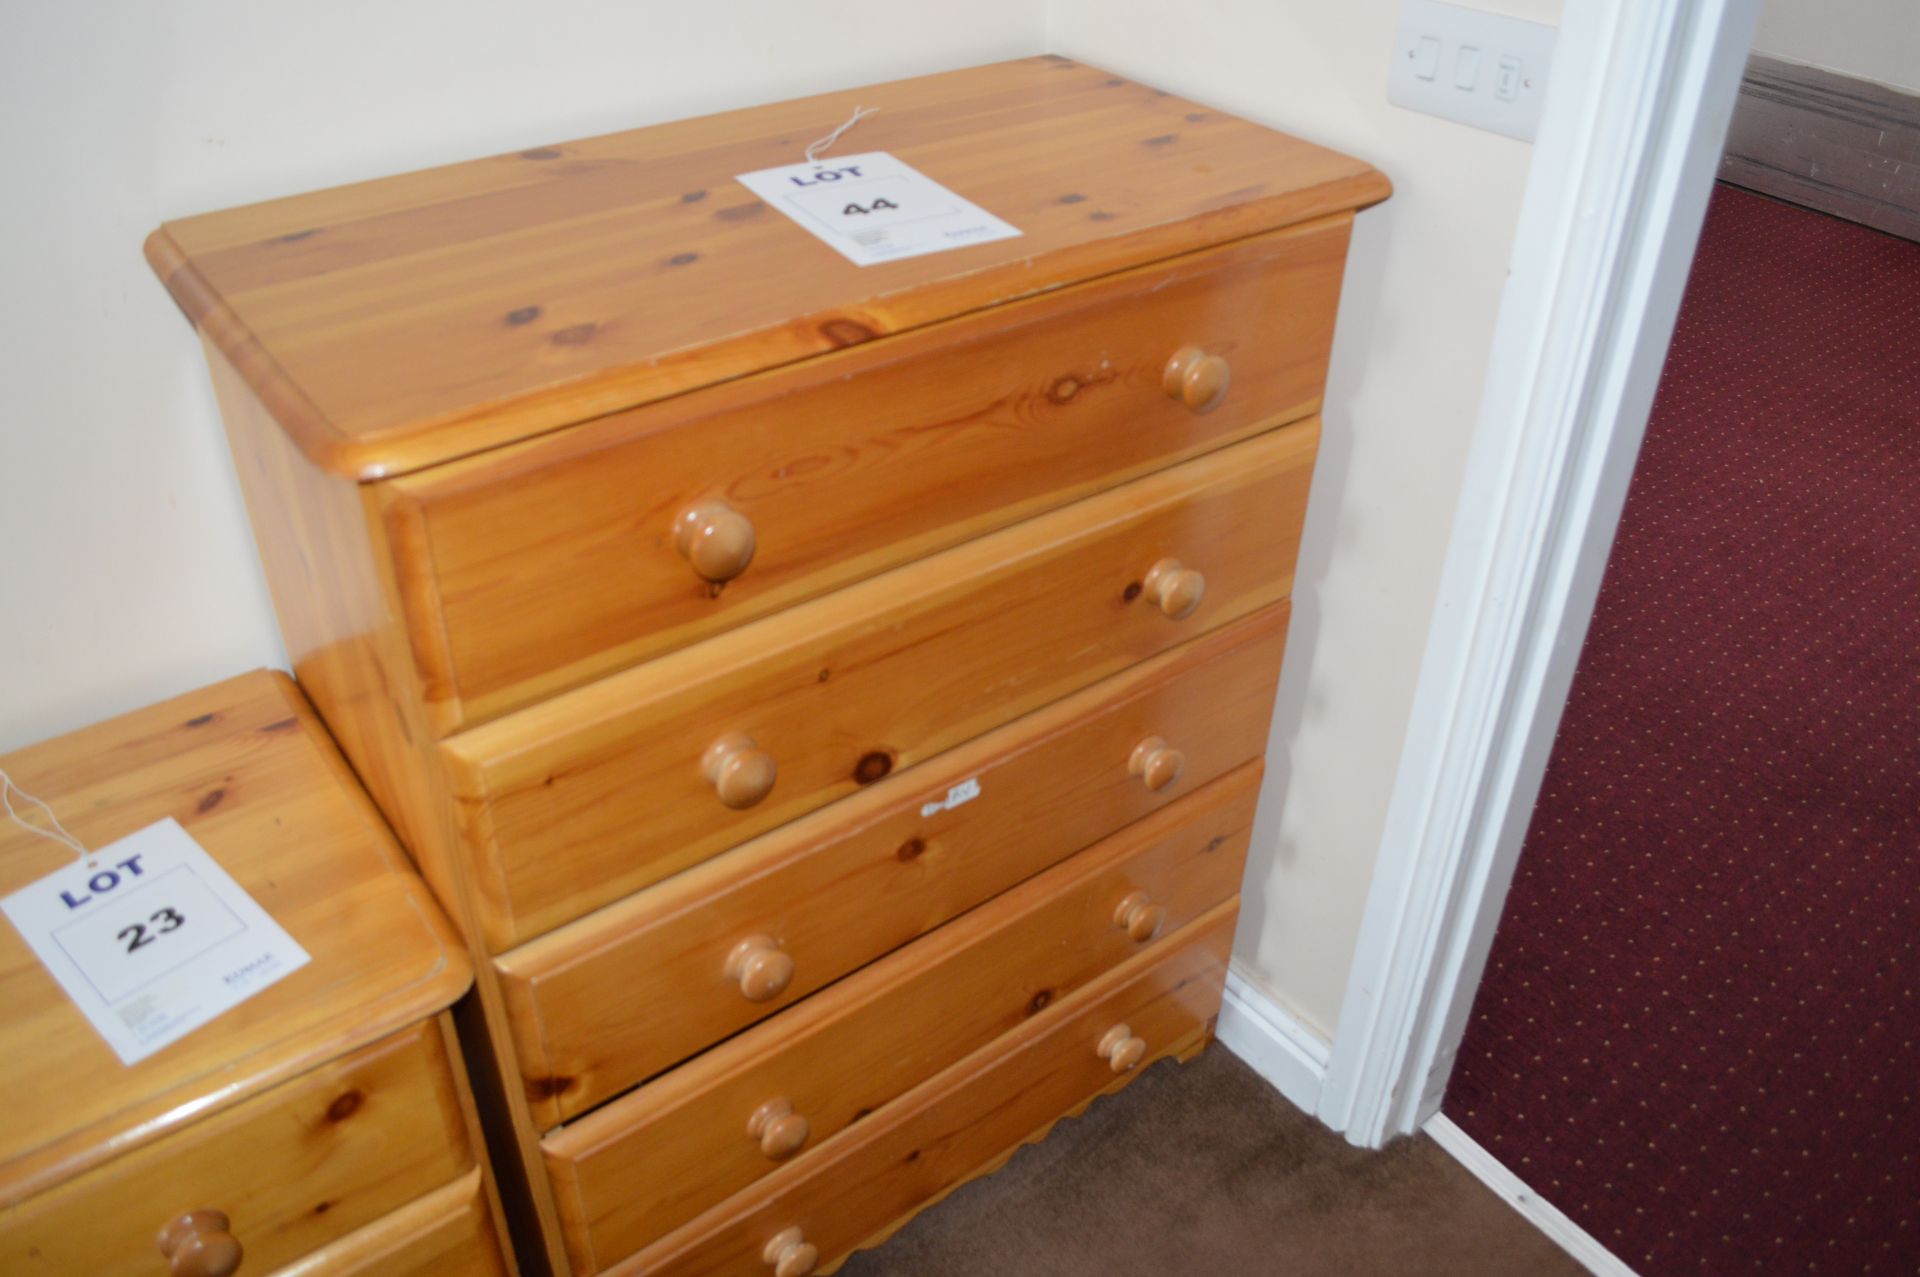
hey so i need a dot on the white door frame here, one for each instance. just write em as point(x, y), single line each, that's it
point(1634, 121)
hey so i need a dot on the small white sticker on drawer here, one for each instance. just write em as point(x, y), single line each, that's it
point(965, 792)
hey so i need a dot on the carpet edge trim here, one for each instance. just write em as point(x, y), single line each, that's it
point(1288, 1055)
point(1535, 1209)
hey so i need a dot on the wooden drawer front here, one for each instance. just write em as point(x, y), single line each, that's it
point(610, 1000)
point(856, 1189)
point(292, 1168)
point(636, 1168)
point(446, 1232)
point(539, 566)
point(596, 793)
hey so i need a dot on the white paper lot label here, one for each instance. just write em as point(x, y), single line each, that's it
point(873, 208)
point(151, 938)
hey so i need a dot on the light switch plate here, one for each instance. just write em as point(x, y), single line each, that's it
point(1468, 65)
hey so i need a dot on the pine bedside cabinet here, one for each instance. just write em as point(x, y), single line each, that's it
point(830, 698)
point(323, 1126)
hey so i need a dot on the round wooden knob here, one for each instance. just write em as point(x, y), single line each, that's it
point(1196, 379)
point(780, 1130)
point(739, 770)
point(715, 538)
point(1156, 762)
point(200, 1244)
point(1140, 918)
point(790, 1254)
point(1121, 1049)
point(761, 967)
point(1175, 589)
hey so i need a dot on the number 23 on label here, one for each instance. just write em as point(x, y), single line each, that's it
point(137, 936)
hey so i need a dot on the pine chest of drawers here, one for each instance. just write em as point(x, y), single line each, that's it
point(321, 1128)
point(830, 698)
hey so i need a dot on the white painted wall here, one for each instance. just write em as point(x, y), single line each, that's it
point(1868, 39)
point(1416, 318)
point(131, 573)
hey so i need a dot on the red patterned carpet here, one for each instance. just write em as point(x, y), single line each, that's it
point(1699, 1033)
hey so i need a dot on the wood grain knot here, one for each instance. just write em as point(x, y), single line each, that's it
point(1040, 1002)
point(547, 1088)
point(541, 153)
point(294, 237)
point(345, 1105)
point(846, 332)
point(739, 212)
point(1196, 117)
point(201, 720)
point(802, 466)
point(211, 799)
point(1115, 82)
point(872, 766)
point(1131, 593)
point(693, 197)
point(575, 335)
point(911, 849)
point(1072, 199)
point(1101, 215)
point(282, 725)
point(1162, 139)
point(1063, 389)
point(1216, 842)
point(683, 259)
point(522, 315)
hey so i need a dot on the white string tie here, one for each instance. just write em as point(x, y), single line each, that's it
point(859, 113)
point(59, 831)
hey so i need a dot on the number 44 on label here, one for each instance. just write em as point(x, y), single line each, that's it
point(849, 172)
point(874, 208)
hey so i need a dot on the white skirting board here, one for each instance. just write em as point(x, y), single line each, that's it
point(1535, 1209)
point(1827, 142)
point(1293, 1060)
point(1289, 1055)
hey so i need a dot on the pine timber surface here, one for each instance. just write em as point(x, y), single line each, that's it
point(634, 988)
point(578, 800)
point(866, 1182)
point(656, 1157)
point(398, 323)
point(248, 771)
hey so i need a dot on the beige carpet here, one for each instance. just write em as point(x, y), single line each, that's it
point(1204, 1170)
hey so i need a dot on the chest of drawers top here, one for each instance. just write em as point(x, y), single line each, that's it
point(401, 323)
point(248, 771)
